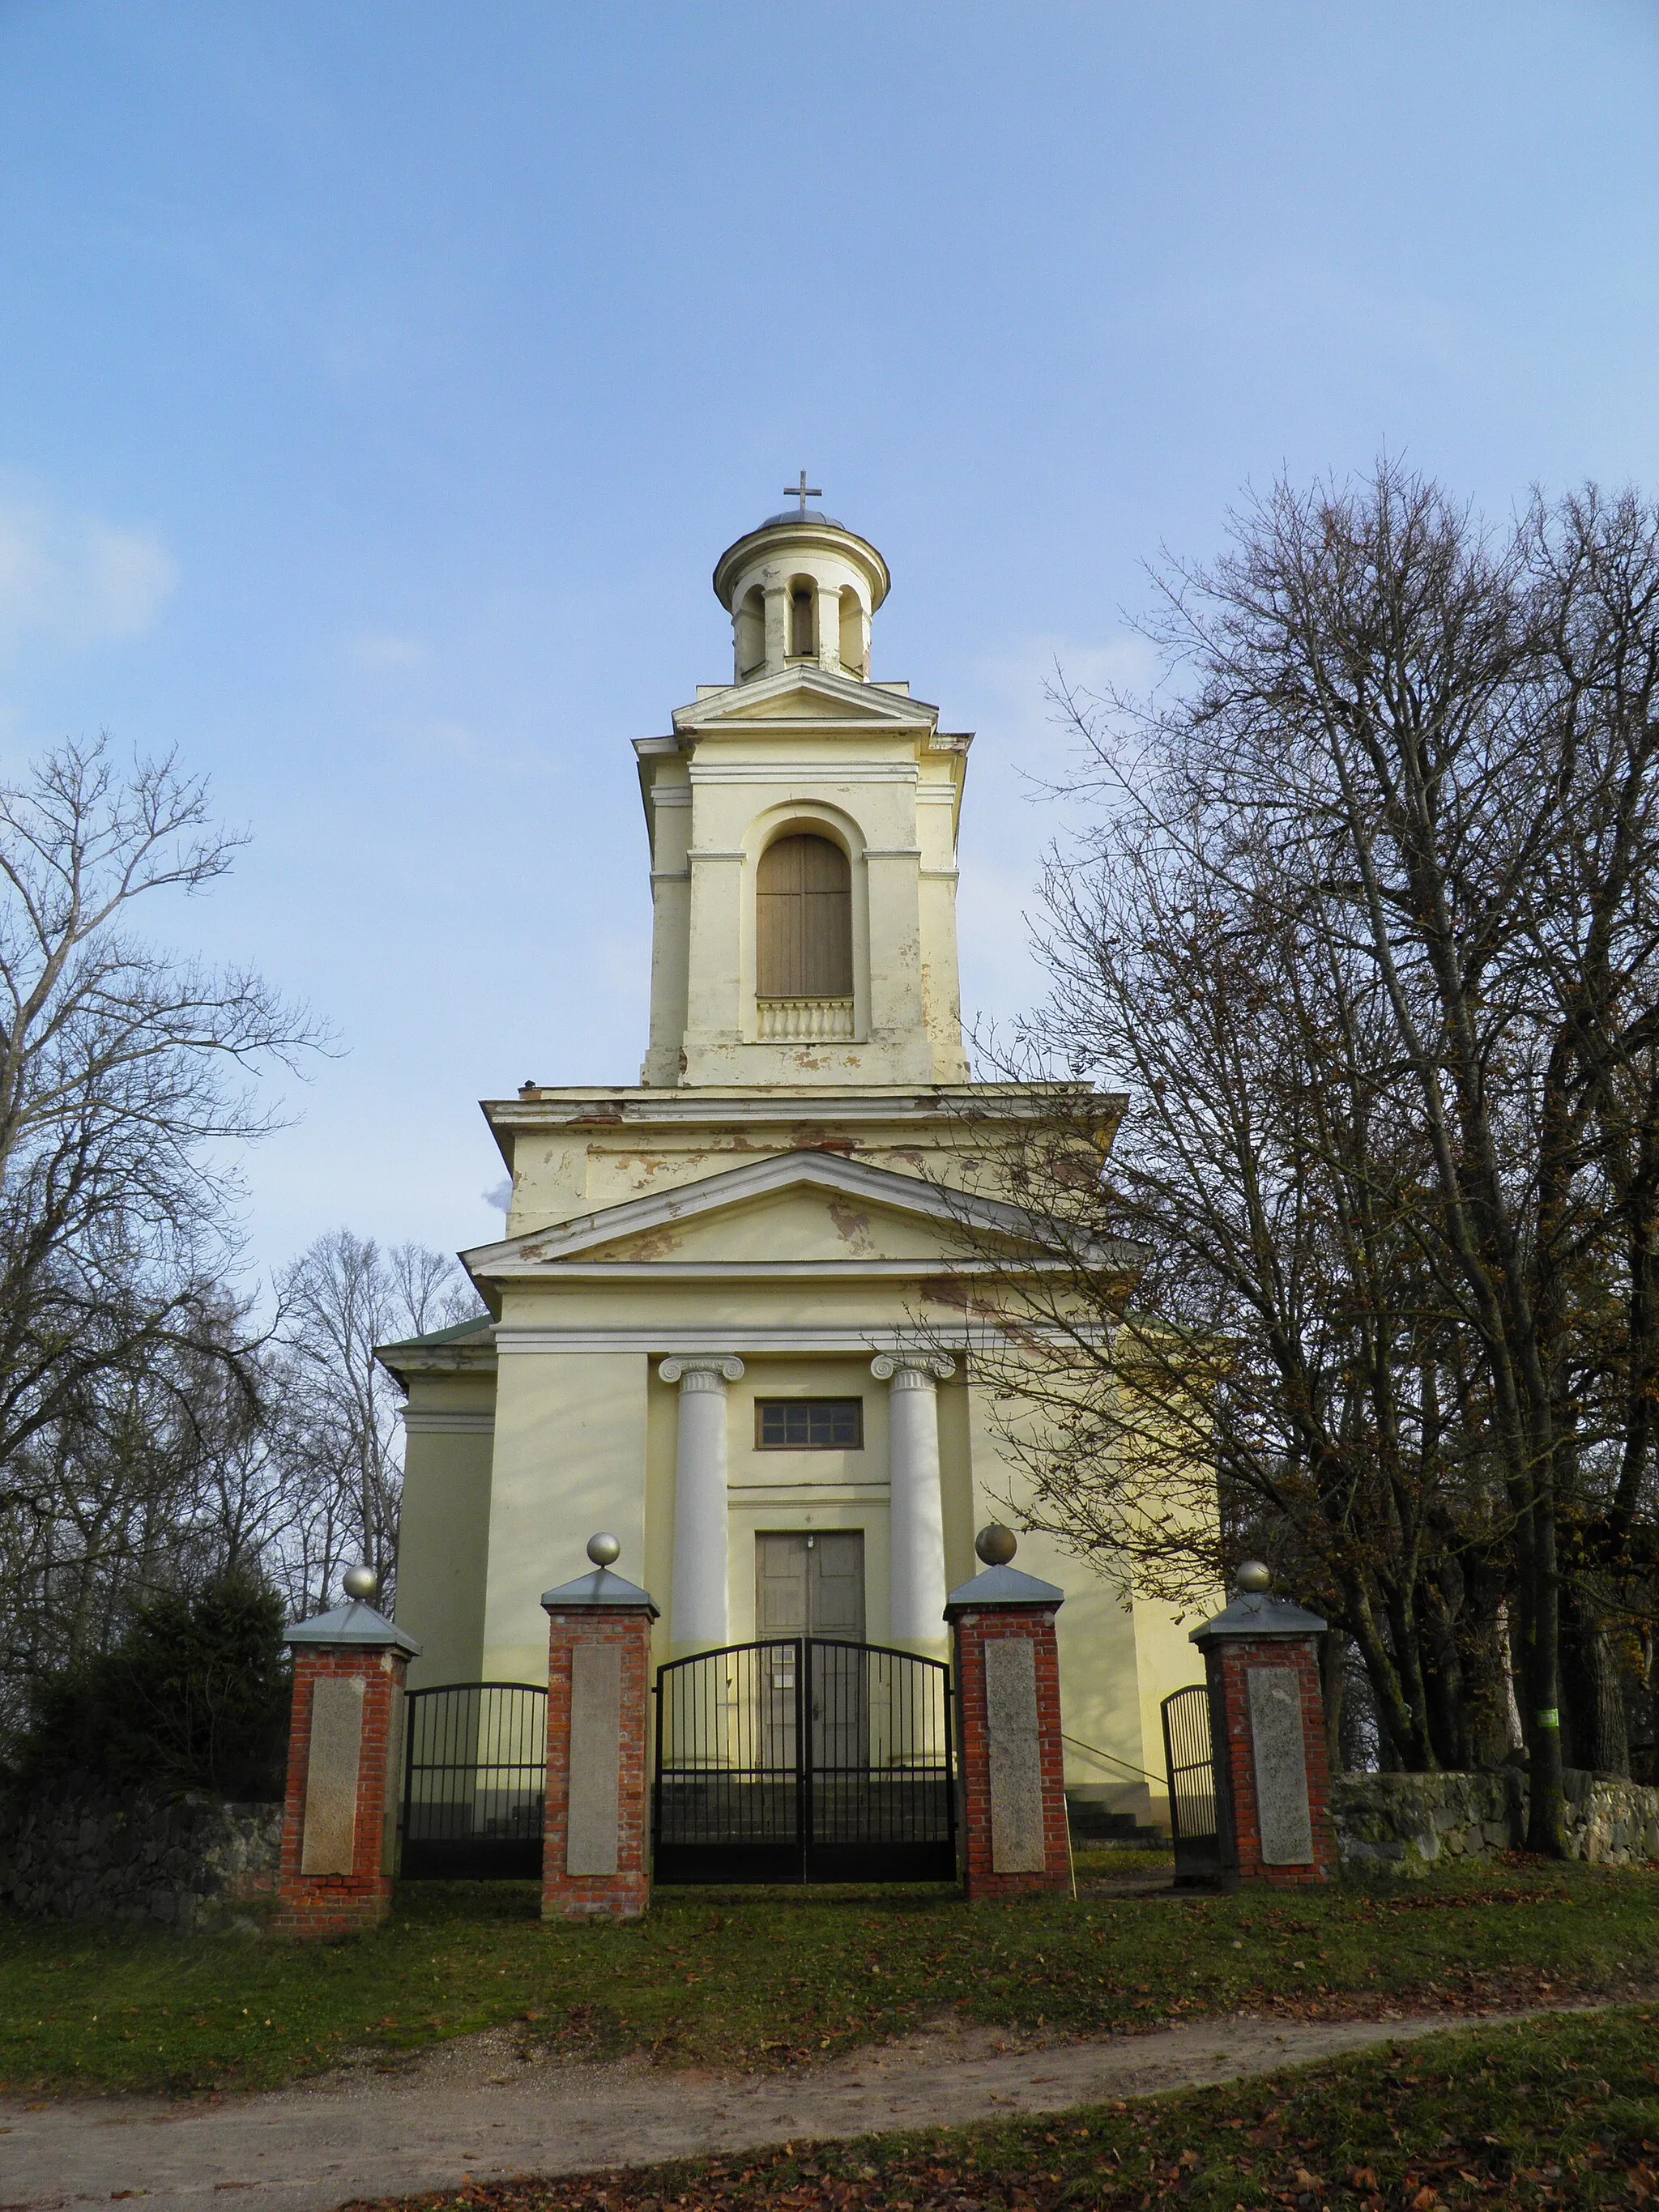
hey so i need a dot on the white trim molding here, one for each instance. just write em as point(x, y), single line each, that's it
point(672, 1342)
point(417, 1422)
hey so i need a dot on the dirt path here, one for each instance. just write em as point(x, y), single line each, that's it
point(485, 2106)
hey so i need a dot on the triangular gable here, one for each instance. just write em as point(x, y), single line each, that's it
point(952, 1218)
point(804, 692)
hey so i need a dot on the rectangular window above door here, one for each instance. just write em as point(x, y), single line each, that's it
point(809, 1425)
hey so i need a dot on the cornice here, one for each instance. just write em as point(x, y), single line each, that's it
point(639, 1107)
point(665, 1341)
point(940, 1268)
point(819, 531)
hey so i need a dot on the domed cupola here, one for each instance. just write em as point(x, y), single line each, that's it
point(801, 589)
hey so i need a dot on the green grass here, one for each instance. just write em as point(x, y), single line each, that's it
point(775, 1977)
point(1556, 2112)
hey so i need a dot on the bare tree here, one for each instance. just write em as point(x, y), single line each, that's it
point(127, 1077)
point(125, 1074)
point(1370, 928)
point(340, 1439)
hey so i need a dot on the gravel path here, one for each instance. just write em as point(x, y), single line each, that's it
point(486, 2106)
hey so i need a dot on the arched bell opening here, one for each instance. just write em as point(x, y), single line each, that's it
point(803, 939)
point(803, 618)
point(854, 635)
point(749, 635)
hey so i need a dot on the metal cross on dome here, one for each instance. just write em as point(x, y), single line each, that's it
point(803, 491)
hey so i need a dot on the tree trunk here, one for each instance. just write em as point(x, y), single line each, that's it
point(1593, 1690)
point(1540, 1631)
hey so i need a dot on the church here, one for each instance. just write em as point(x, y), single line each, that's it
point(731, 1320)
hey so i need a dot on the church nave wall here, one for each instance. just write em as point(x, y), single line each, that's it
point(570, 1458)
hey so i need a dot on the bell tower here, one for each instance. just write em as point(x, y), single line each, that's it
point(803, 822)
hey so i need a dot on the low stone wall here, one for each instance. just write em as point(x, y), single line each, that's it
point(1406, 1823)
point(190, 1862)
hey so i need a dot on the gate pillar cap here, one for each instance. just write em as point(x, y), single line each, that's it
point(1003, 1586)
point(1255, 1613)
point(600, 1588)
point(351, 1623)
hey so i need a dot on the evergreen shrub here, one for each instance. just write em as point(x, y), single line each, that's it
point(195, 1696)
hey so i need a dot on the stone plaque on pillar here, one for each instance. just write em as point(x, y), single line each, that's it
point(595, 1839)
point(590, 1845)
point(1014, 1835)
point(1272, 1770)
point(343, 1767)
point(1015, 1756)
point(332, 1763)
point(1281, 1765)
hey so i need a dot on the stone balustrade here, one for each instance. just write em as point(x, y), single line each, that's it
point(803, 1021)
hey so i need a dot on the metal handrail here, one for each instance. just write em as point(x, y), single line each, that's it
point(1111, 1756)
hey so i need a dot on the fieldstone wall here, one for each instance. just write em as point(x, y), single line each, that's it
point(1405, 1823)
point(74, 1852)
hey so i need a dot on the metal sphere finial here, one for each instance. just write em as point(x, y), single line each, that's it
point(361, 1582)
point(996, 1544)
point(1255, 1578)
point(603, 1548)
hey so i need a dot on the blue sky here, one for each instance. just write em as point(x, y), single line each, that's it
point(379, 384)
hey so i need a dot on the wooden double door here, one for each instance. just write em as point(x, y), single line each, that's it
point(812, 1585)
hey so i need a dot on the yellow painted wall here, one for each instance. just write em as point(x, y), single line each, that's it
point(443, 1545)
point(1111, 1677)
point(570, 1458)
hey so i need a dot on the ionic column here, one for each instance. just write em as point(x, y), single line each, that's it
point(917, 1510)
point(698, 1618)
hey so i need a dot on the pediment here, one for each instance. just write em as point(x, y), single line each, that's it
point(796, 1209)
point(802, 1225)
point(804, 694)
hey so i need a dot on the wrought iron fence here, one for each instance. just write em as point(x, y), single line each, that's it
point(804, 1760)
point(1189, 1759)
point(475, 1779)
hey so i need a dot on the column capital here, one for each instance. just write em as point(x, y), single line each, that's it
point(913, 1371)
point(702, 1374)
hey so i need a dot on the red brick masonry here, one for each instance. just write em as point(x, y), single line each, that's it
point(625, 1895)
point(316, 1906)
point(974, 1630)
point(1227, 1661)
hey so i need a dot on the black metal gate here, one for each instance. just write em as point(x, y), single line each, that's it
point(804, 1760)
point(475, 1776)
point(1190, 1758)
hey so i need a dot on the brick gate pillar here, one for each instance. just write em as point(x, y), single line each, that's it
point(344, 1758)
point(595, 1845)
point(1267, 1720)
point(1014, 1837)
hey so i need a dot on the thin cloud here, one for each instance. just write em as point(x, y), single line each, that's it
point(72, 580)
point(380, 652)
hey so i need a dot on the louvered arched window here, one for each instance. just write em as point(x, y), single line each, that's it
point(803, 920)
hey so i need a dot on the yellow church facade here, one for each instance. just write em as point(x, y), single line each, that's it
point(732, 1318)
